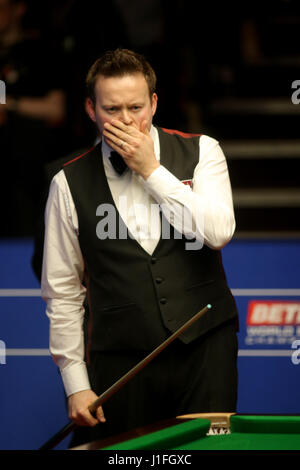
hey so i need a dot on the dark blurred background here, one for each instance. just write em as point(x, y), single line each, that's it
point(225, 69)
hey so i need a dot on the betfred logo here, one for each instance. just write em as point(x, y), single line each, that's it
point(270, 312)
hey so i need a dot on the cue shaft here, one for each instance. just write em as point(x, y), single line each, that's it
point(66, 430)
point(129, 375)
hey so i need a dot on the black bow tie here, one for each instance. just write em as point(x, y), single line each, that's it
point(118, 163)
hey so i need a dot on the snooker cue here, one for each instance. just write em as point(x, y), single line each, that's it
point(66, 430)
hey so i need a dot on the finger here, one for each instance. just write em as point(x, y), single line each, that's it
point(100, 414)
point(90, 420)
point(117, 127)
point(115, 142)
point(144, 127)
point(117, 136)
point(84, 418)
point(112, 137)
point(122, 130)
point(127, 129)
point(122, 148)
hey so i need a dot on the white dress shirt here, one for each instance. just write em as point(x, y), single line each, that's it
point(209, 207)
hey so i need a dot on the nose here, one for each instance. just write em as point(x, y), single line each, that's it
point(125, 117)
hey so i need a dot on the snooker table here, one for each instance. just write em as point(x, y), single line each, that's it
point(223, 431)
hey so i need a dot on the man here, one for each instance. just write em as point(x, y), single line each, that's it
point(131, 238)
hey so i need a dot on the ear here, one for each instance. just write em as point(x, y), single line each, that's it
point(154, 103)
point(90, 109)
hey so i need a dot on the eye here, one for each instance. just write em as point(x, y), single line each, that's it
point(110, 109)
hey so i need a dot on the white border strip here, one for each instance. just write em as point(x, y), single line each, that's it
point(237, 292)
point(20, 292)
point(265, 352)
point(241, 352)
point(27, 352)
point(265, 292)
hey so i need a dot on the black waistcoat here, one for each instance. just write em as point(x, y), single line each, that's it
point(137, 300)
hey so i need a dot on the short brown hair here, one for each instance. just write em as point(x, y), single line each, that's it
point(118, 63)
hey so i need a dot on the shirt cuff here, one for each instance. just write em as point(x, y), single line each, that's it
point(162, 183)
point(75, 378)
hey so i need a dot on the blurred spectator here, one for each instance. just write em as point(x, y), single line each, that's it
point(155, 30)
point(82, 30)
point(32, 118)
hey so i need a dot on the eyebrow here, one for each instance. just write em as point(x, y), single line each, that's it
point(115, 105)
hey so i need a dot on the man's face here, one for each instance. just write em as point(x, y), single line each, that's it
point(125, 98)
